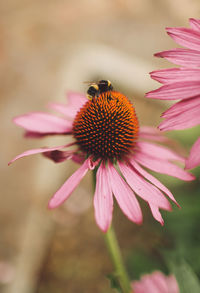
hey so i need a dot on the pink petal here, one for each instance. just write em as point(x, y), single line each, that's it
point(156, 282)
point(158, 151)
point(163, 167)
point(186, 37)
point(152, 133)
point(161, 282)
point(176, 90)
point(37, 151)
point(195, 24)
point(172, 284)
point(194, 157)
point(184, 57)
point(156, 213)
point(103, 199)
point(153, 180)
point(43, 123)
point(68, 187)
point(143, 188)
point(182, 107)
point(75, 102)
point(147, 284)
point(175, 74)
point(182, 120)
point(124, 196)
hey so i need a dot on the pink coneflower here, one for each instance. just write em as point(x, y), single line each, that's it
point(106, 136)
point(182, 84)
point(156, 282)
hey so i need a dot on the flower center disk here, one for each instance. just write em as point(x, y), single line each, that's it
point(106, 126)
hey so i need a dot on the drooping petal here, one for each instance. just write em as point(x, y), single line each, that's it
point(156, 213)
point(194, 157)
point(37, 151)
point(124, 196)
point(182, 120)
point(186, 37)
point(75, 102)
point(163, 167)
point(144, 189)
point(31, 134)
point(61, 156)
point(182, 107)
point(153, 180)
point(40, 122)
point(103, 199)
point(68, 187)
point(183, 57)
point(170, 75)
point(158, 151)
point(176, 90)
point(195, 24)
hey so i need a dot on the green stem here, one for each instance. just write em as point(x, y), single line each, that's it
point(117, 260)
point(115, 253)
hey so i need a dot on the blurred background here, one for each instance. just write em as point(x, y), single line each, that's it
point(46, 49)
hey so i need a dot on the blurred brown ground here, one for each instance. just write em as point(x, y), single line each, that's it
point(37, 43)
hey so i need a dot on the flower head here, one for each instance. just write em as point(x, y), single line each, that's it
point(156, 282)
point(181, 83)
point(106, 136)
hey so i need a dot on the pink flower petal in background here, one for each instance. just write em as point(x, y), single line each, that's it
point(156, 282)
point(178, 74)
point(185, 37)
point(103, 199)
point(43, 123)
point(181, 84)
point(194, 157)
point(195, 24)
point(124, 196)
point(182, 107)
point(183, 57)
point(176, 90)
point(182, 120)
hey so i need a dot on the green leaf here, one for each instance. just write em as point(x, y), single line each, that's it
point(185, 276)
point(114, 284)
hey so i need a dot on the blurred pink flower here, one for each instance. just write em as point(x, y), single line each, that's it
point(105, 134)
point(156, 282)
point(181, 83)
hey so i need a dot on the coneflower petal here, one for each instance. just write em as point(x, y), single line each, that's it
point(194, 157)
point(103, 199)
point(124, 196)
point(43, 123)
point(68, 187)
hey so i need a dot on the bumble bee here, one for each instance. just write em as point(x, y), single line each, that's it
point(97, 88)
